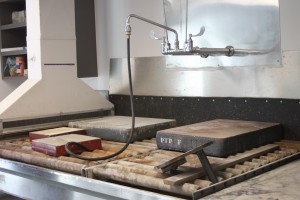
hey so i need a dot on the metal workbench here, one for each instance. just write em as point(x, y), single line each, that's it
point(37, 183)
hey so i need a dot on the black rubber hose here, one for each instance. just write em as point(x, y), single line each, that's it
point(132, 119)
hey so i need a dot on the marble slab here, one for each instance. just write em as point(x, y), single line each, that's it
point(279, 184)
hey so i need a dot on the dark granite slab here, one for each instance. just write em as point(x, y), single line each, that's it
point(117, 128)
point(229, 136)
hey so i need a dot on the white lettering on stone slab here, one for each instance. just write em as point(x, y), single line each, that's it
point(166, 140)
point(179, 142)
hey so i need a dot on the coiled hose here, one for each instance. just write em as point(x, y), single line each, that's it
point(132, 119)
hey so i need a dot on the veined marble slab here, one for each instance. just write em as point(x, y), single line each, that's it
point(281, 183)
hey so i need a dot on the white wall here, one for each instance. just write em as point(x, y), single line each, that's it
point(142, 46)
point(276, 80)
point(290, 25)
point(110, 32)
point(111, 41)
point(52, 87)
point(8, 85)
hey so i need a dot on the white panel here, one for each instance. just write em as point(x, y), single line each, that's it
point(290, 26)
point(57, 19)
point(150, 77)
point(33, 19)
point(9, 85)
point(34, 58)
point(117, 12)
point(110, 33)
point(244, 25)
point(52, 88)
point(59, 51)
point(59, 92)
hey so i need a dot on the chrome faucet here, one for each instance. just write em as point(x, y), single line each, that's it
point(165, 46)
point(188, 48)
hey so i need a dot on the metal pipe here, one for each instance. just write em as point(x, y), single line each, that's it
point(203, 52)
point(245, 52)
point(165, 23)
point(128, 28)
point(227, 51)
point(186, 19)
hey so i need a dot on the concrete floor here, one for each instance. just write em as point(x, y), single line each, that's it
point(282, 183)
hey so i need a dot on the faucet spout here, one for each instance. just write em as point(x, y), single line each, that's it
point(128, 27)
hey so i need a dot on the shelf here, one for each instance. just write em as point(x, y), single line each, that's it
point(14, 53)
point(13, 26)
point(14, 77)
point(11, 1)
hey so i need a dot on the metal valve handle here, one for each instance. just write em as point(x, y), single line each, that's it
point(201, 32)
point(153, 36)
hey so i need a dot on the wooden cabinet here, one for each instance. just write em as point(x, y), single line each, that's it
point(13, 33)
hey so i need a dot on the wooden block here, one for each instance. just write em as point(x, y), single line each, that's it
point(118, 128)
point(229, 136)
point(55, 132)
point(55, 146)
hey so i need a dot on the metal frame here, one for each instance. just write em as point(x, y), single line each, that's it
point(32, 182)
point(237, 179)
point(179, 160)
point(44, 122)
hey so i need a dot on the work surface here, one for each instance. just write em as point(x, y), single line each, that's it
point(136, 165)
point(228, 136)
point(281, 183)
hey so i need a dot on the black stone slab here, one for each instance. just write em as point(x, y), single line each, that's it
point(229, 136)
point(117, 128)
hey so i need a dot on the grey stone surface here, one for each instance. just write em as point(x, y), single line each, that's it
point(228, 136)
point(117, 128)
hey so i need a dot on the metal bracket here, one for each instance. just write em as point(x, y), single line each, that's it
point(179, 160)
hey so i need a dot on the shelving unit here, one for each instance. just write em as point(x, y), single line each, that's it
point(12, 39)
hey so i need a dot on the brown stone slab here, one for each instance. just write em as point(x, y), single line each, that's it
point(229, 136)
point(55, 132)
point(55, 146)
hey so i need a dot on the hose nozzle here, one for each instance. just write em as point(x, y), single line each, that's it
point(128, 30)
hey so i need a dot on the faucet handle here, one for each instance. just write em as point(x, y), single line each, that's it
point(165, 45)
point(189, 43)
point(154, 37)
point(201, 32)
